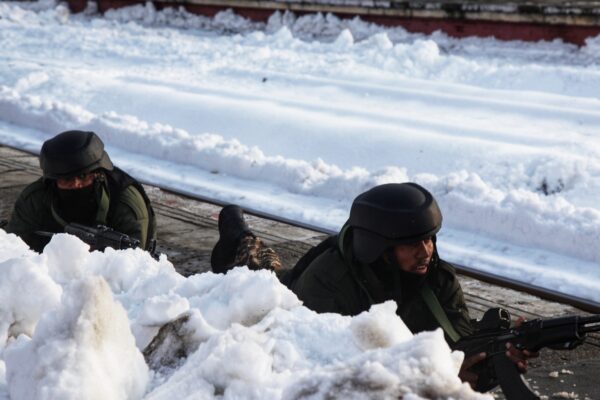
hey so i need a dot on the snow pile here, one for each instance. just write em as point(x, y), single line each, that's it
point(223, 23)
point(295, 353)
point(83, 350)
point(531, 218)
point(328, 27)
point(26, 289)
point(247, 335)
point(297, 116)
point(205, 151)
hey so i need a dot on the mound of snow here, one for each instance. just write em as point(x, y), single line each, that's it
point(86, 317)
point(83, 350)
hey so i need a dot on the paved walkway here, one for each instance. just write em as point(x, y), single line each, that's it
point(187, 231)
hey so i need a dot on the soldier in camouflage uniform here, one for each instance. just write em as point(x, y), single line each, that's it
point(385, 251)
point(80, 184)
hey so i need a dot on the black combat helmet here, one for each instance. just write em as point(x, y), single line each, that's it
point(72, 153)
point(391, 214)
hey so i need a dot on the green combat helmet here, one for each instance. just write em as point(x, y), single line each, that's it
point(73, 153)
point(391, 214)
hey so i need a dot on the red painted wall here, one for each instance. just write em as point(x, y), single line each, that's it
point(453, 27)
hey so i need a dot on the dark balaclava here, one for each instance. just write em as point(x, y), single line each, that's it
point(80, 205)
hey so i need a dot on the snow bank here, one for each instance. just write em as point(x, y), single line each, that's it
point(26, 290)
point(223, 23)
point(83, 350)
point(516, 214)
point(205, 151)
point(296, 353)
point(247, 336)
point(496, 64)
point(483, 62)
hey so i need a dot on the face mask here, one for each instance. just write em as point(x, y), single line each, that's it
point(78, 205)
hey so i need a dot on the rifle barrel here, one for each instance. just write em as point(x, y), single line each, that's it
point(590, 324)
point(591, 319)
point(590, 329)
point(44, 233)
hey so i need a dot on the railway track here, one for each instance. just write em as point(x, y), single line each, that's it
point(291, 239)
point(544, 293)
point(25, 165)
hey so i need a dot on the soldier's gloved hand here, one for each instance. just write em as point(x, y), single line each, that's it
point(465, 374)
point(519, 357)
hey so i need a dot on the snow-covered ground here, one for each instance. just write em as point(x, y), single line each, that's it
point(298, 116)
point(294, 117)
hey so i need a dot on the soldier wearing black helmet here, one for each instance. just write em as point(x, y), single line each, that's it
point(385, 251)
point(80, 184)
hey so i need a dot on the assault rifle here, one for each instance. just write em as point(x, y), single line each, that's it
point(101, 237)
point(494, 331)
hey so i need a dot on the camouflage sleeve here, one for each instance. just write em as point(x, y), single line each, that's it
point(130, 216)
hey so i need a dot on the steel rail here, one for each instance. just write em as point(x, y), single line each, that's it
point(494, 279)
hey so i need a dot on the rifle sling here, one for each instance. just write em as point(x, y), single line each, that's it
point(438, 312)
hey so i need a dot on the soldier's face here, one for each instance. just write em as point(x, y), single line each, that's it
point(76, 182)
point(414, 257)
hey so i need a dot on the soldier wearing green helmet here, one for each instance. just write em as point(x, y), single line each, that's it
point(81, 185)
